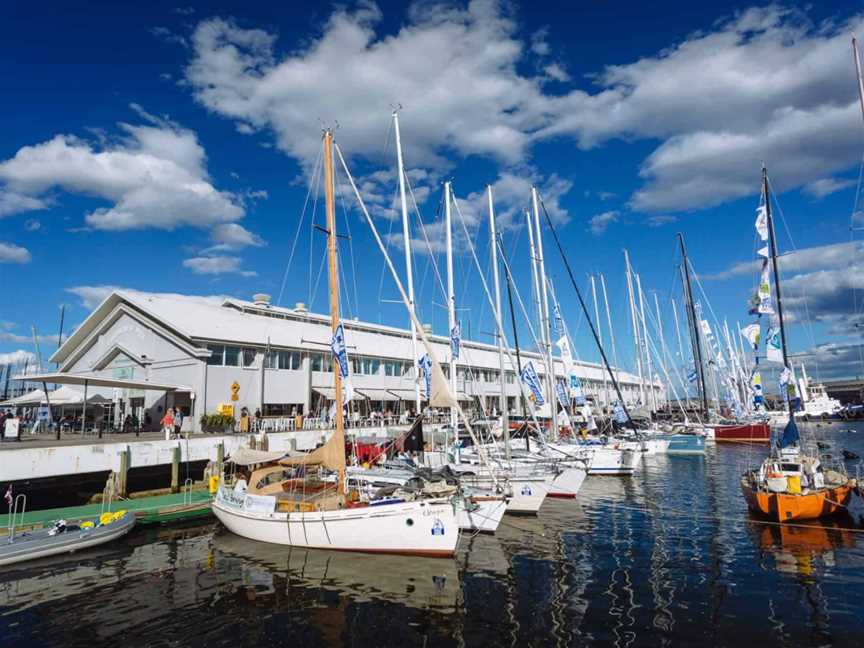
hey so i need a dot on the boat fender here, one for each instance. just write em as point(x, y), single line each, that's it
point(87, 525)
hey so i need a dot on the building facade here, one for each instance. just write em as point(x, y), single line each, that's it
point(250, 354)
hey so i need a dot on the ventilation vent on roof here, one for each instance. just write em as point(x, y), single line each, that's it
point(300, 307)
point(261, 299)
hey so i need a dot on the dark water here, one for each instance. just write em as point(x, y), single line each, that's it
point(668, 557)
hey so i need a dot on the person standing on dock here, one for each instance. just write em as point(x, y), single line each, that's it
point(178, 421)
point(168, 424)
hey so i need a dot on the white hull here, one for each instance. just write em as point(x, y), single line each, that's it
point(486, 517)
point(601, 459)
point(568, 483)
point(426, 528)
point(526, 493)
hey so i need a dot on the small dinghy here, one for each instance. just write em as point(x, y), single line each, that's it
point(63, 537)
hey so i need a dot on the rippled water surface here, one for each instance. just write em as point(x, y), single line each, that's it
point(668, 557)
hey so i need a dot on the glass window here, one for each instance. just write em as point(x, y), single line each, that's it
point(248, 357)
point(296, 361)
point(392, 368)
point(232, 356)
point(511, 377)
point(217, 354)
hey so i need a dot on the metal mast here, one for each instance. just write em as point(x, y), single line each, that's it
point(406, 235)
point(634, 318)
point(451, 302)
point(544, 303)
point(694, 325)
point(505, 415)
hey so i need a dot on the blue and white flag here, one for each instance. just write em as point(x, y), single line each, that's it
point(576, 389)
point(532, 382)
point(619, 413)
point(773, 348)
point(340, 352)
point(425, 365)
point(561, 392)
point(455, 340)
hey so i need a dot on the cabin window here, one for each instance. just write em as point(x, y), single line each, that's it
point(790, 467)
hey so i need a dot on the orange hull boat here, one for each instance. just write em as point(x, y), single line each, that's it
point(785, 507)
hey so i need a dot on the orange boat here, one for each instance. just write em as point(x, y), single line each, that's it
point(785, 507)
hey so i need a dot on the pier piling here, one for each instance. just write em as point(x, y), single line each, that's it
point(175, 469)
point(124, 471)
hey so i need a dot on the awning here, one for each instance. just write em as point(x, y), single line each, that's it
point(93, 380)
point(403, 394)
point(62, 396)
point(327, 392)
point(377, 394)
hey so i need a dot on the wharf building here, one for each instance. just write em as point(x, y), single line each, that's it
point(214, 352)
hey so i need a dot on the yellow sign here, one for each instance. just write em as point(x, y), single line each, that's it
point(235, 391)
point(226, 409)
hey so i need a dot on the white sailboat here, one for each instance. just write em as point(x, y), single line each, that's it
point(284, 504)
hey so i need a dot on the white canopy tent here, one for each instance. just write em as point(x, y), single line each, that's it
point(60, 396)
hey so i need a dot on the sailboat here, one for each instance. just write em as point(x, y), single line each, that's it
point(293, 502)
point(793, 483)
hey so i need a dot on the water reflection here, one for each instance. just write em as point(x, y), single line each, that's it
point(669, 556)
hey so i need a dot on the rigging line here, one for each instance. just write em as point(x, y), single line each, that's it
point(426, 237)
point(315, 172)
point(852, 219)
point(383, 264)
point(350, 248)
point(318, 281)
point(808, 320)
point(315, 193)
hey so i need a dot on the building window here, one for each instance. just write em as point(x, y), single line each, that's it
point(321, 362)
point(232, 356)
point(248, 357)
point(289, 360)
point(217, 354)
point(366, 366)
point(511, 377)
point(393, 368)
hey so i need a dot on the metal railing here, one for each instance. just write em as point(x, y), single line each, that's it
point(17, 514)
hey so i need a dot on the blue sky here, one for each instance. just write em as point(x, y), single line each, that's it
point(169, 148)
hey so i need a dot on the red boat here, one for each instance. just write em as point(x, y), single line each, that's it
point(742, 433)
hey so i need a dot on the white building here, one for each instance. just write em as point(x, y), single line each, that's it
point(215, 352)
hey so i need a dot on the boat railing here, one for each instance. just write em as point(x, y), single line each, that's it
point(17, 514)
point(187, 491)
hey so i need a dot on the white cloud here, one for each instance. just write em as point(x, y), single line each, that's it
point(454, 71)
point(826, 186)
point(833, 360)
point(821, 257)
point(215, 265)
point(18, 357)
point(32, 225)
point(231, 236)
point(599, 222)
point(765, 85)
point(556, 72)
point(16, 203)
point(154, 175)
point(661, 219)
point(11, 253)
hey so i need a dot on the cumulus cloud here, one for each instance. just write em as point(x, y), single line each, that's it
point(826, 186)
point(822, 257)
point(765, 84)
point(600, 222)
point(11, 253)
point(216, 265)
point(18, 357)
point(16, 203)
point(832, 360)
point(154, 175)
point(232, 236)
point(661, 219)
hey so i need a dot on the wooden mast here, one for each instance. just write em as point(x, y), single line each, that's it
point(333, 280)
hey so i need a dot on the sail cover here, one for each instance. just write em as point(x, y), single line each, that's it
point(790, 435)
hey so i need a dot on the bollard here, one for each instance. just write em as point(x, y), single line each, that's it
point(175, 469)
point(265, 442)
point(220, 458)
point(125, 456)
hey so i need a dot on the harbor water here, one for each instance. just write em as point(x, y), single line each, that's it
point(667, 557)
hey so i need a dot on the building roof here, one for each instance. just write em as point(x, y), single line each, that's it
point(233, 321)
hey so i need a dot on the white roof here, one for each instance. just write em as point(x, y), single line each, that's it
point(62, 396)
point(238, 322)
